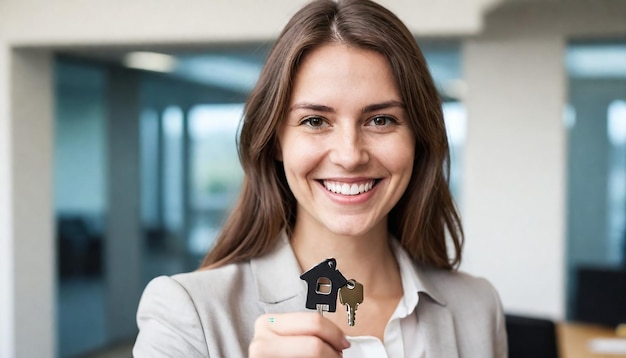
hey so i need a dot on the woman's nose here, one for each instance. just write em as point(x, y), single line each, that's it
point(348, 149)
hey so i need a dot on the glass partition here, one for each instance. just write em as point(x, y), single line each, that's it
point(596, 188)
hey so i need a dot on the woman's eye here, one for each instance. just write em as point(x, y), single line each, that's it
point(313, 122)
point(381, 121)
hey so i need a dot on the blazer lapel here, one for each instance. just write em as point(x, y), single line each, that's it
point(277, 279)
point(437, 327)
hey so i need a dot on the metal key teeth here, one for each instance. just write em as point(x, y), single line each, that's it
point(351, 316)
point(351, 295)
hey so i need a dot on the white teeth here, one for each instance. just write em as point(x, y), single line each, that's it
point(349, 189)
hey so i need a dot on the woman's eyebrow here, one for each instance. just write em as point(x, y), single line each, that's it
point(367, 109)
point(312, 107)
point(380, 106)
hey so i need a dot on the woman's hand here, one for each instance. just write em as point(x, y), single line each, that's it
point(296, 335)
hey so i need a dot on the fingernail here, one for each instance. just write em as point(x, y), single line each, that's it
point(345, 343)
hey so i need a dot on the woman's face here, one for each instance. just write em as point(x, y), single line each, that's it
point(346, 143)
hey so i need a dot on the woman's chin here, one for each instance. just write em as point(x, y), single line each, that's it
point(350, 230)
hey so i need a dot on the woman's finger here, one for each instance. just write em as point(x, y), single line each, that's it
point(302, 324)
point(291, 346)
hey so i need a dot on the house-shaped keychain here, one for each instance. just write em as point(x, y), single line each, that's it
point(324, 282)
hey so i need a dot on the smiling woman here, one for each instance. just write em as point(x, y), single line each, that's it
point(337, 139)
point(344, 150)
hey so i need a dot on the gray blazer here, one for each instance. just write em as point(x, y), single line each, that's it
point(211, 313)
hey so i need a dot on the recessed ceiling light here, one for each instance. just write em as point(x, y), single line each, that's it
point(150, 61)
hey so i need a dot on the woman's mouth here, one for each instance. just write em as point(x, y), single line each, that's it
point(343, 188)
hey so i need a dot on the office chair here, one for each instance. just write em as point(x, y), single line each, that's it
point(600, 296)
point(531, 337)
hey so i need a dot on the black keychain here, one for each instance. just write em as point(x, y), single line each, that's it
point(324, 282)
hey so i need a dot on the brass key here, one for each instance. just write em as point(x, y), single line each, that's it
point(351, 295)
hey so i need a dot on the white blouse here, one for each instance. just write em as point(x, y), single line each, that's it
point(402, 337)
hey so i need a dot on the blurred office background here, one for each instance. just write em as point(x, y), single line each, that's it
point(118, 163)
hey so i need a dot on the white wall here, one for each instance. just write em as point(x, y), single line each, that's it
point(6, 219)
point(513, 186)
point(6, 234)
point(31, 243)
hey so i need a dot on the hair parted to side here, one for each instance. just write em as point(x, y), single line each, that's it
point(266, 205)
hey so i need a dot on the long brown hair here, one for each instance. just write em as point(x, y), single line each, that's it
point(426, 210)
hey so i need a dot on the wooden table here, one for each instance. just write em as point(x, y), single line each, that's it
point(573, 339)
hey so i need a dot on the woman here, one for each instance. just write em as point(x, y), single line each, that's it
point(344, 150)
